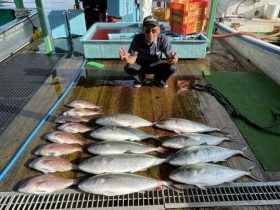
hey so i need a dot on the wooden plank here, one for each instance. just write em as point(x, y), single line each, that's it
point(150, 103)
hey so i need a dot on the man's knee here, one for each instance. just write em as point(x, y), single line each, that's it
point(132, 68)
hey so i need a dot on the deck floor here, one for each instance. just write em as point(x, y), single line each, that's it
point(111, 88)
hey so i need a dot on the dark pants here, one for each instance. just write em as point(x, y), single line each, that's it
point(161, 71)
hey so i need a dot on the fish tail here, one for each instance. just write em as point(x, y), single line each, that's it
point(99, 108)
point(158, 119)
point(83, 143)
point(255, 178)
point(157, 139)
point(74, 167)
point(228, 137)
point(223, 131)
point(233, 140)
point(162, 150)
point(171, 186)
point(245, 156)
point(76, 181)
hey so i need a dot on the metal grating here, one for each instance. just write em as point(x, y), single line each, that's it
point(77, 200)
point(234, 194)
point(20, 78)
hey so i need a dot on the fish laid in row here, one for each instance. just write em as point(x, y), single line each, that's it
point(45, 184)
point(105, 184)
point(120, 134)
point(50, 164)
point(65, 119)
point(206, 174)
point(202, 154)
point(119, 147)
point(184, 126)
point(74, 128)
point(77, 112)
point(64, 137)
point(120, 184)
point(83, 105)
point(119, 163)
point(56, 149)
point(125, 120)
point(193, 139)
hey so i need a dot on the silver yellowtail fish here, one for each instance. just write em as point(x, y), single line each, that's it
point(64, 137)
point(78, 112)
point(55, 149)
point(119, 163)
point(45, 184)
point(49, 164)
point(119, 147)
point(125, 120)
point(192, 139)
point(202, 154)
point(206, 174)
point(83, 105)
point(74, 128)
point(120, 134)
point(119, 184)
point(64, 119)
point(184, 126)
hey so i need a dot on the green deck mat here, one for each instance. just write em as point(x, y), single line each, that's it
point(254, 96)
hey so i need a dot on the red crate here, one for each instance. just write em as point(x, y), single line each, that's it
point(186, 13)
point(183, 29)
point(183, 7)
point(184, 19)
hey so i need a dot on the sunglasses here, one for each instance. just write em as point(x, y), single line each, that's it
point(149, 30)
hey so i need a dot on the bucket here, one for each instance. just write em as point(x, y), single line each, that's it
point(272, 12)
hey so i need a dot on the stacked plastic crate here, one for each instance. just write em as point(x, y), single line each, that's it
point(124, 9)
point(188, 16)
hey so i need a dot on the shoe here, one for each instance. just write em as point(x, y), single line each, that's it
point(137, 84)
point(161, 84)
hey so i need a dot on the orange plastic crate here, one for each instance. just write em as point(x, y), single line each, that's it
point(186, 13)
point(184, 19)
point(183, 29)
point(183, 7)
point(162, 14)
point(184, 1)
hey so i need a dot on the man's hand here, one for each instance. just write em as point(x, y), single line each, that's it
point(172, 59)
point(124, 56)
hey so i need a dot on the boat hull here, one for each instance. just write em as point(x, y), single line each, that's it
point(16, 34)
point(263, 55)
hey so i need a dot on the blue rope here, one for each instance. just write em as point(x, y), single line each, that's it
point(38, 127)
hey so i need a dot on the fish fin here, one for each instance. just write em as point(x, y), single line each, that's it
point(128, 152)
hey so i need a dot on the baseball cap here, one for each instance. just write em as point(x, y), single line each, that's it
point(150, 20)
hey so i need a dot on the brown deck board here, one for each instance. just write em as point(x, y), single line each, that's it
point(148, 102)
